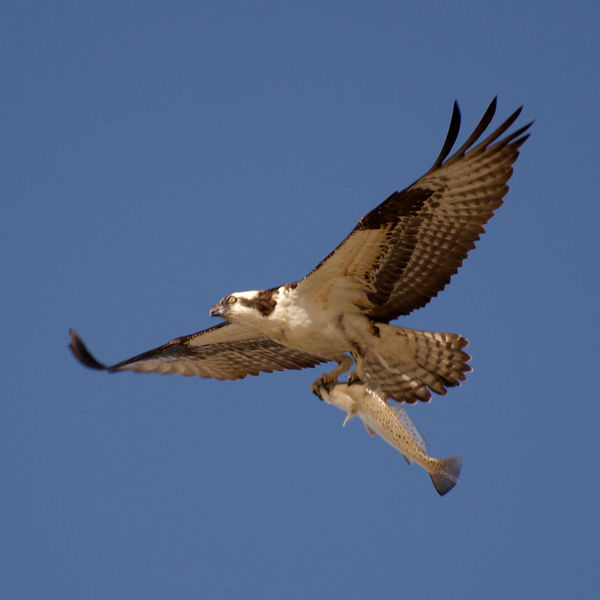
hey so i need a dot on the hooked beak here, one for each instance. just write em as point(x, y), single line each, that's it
point(216, 311)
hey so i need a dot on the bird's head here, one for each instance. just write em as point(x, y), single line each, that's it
point(245, 306)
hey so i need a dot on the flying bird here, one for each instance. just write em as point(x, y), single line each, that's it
point(398, 257)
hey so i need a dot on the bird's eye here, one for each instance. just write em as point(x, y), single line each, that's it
point(231, 299)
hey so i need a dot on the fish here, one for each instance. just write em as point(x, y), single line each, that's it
point(393, 424)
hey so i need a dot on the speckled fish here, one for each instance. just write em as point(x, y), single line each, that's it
point(394, 425)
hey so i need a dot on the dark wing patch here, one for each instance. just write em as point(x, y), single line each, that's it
point(227, 351)
point(404, 252)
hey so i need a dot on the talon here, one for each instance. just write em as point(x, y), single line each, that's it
point(317, 387)
point(327, 381)
point(322, 385)
point(353, 378)
point(322, 382)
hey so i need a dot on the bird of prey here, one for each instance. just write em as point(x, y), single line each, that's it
point(398, 257)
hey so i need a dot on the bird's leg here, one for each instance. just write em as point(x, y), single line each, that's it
point(344, 363)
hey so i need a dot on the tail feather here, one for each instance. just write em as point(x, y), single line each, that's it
point(446, 474)
point(408, 364)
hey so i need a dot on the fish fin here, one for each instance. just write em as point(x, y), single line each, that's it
point(446, 473)
point(349, 415)
point(407, 459)
point(369, 430)
point(416, 435)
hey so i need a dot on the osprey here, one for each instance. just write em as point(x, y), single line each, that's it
point(397, 258)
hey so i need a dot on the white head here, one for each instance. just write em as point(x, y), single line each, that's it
point(253, 305)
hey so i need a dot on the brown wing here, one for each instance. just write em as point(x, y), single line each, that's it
point(227, 351)
point(404, 252)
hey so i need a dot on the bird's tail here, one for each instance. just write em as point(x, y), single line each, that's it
point(445, 474)
point(408, 364)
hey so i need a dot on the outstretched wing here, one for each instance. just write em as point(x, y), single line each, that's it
point(227, 351)
point(404, 252)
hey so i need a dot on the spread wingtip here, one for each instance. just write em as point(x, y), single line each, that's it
point(82, 354)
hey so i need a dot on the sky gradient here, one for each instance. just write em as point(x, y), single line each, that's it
point(156, 157)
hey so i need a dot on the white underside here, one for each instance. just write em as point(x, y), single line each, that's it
point(315, 329)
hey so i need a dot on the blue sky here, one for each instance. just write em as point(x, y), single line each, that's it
point(157, 156)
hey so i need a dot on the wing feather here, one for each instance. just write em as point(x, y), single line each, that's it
point(403, 253)
point(227, 351)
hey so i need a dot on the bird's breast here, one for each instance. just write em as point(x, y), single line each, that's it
point(313, 331)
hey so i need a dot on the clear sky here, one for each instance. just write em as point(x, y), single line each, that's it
point(158, 155)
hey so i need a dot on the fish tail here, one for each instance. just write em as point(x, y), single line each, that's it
point(445, 474)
